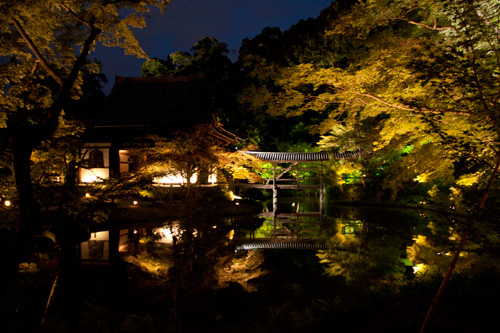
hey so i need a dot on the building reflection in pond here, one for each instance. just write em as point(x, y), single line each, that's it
point(96, 248)
point(103, 246)
point(376, 247)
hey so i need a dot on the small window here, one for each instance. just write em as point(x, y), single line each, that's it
point(96, 159)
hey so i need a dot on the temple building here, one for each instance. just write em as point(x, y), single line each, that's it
point(137, 109)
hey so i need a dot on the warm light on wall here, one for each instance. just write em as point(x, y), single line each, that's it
point(178, 179)
point(100, 235)
point(212, 178)
point(93, 175)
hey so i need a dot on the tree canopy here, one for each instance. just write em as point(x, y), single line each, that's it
point(45, 45)
point(415, 82)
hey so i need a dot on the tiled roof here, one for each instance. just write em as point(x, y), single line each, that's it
point(299, 157)
point(288, 157)
point(348, 154)
point(161, 101)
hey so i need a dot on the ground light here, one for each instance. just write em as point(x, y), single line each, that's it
point(7, 203)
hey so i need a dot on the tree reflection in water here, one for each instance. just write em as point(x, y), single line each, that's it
point(388, 247)
point(206, 285)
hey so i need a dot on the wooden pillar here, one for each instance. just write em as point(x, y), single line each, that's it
point(114, 162)
point(275, 200)
point(298, 173)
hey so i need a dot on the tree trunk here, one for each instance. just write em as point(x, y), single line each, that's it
point(189, 174)
point(29, 209)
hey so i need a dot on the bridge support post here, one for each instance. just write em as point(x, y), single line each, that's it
point(275, 200)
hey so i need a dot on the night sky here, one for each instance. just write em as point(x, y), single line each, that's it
point(184, 22)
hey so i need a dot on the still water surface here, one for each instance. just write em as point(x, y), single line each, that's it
point(198, 267)
point(376, 244)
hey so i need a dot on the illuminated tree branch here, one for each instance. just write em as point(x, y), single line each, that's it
point(401, 107)
point(37, 53)
point(434, 27)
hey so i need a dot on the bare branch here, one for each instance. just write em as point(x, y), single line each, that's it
point(37, 53)
point(34, 67)
point(435, 27)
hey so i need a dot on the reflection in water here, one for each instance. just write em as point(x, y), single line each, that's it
point(97, 247)
point(375, 246)
point(190, 267)
point(242, 269)
point(388, 246)
point(293, 229)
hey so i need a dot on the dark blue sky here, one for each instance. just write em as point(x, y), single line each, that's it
point(186, 21)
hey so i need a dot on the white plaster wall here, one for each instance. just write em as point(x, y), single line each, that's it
point(93, 175)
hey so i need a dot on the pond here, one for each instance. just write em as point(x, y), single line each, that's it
point(380, 264)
